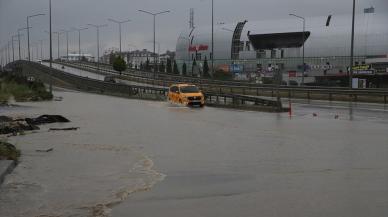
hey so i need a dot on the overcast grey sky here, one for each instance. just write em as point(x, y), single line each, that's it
point(138, 33)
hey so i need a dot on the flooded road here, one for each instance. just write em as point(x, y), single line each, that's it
point(140, 158)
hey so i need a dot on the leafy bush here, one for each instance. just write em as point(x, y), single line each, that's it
point(8, 151)
point(119, 64)
point(22, 89)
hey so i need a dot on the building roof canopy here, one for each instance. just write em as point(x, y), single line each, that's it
point(278, 40)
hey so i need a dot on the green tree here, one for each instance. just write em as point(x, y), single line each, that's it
point(169, 66)
point(184, 69)
point(176, 70)
point(206, 68)
point(119, 64)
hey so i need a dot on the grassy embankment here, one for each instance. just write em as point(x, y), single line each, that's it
point(21, 89)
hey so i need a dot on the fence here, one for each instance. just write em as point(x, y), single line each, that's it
point(245, 88)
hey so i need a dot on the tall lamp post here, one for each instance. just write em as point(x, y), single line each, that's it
point(8, 53)
point(352, 47)
point(58, 41)
point(303, 42)
point(119, 23)
point(51, 48)
point(58, 50)
point(41, 49)
point(98, 42)
point(13, 48)
point(212, 51)
point(2, 55)
point(79, 41)
point(67, 42)
point(154, 15)
point(21, 29)
point(28, 32)
point(212, 56)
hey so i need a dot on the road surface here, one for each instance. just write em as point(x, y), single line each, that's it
point(139, 158)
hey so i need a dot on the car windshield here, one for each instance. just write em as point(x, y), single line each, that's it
point(189, 89)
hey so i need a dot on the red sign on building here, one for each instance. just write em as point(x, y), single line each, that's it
point(292, 74)
point(201, 47)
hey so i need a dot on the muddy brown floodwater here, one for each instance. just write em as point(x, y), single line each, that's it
point(139, 158)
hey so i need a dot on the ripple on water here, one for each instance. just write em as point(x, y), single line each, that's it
point(106, 175)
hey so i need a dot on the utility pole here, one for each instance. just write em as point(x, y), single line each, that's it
point(212, 56)
point(98, 42)
point(67, 43)
point(58, 50)
point(303, 42)
point(79, 41)
point(51, 51)
point(51, 39)
point(154, 15)
point(28, 32)
point(19, 35)
point(119, 23)
point(8, 52)
point(352, 48)
point(13, 49)
point(41, 49)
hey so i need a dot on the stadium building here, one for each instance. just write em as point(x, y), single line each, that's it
point(260, 49)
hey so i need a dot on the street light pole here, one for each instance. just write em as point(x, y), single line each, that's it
point(58, 34)
point(8, 53)
point(154, 14)
point(212, 56)
point(51, 50)
point(98, 42)
point(67, 43)
point(28, 33)
point(119, 23)
point(352, 48)
point(79, 42)
point(41, 49)
point(303, 42)
point(19, 41)
point(13, 49)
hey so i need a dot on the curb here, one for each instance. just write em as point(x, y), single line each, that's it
point(6, 167)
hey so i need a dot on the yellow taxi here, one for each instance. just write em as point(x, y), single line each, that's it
point(186, 94)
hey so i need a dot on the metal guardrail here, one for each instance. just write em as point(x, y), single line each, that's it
point(93, 85)
point(174, 77)
point(331, 93)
